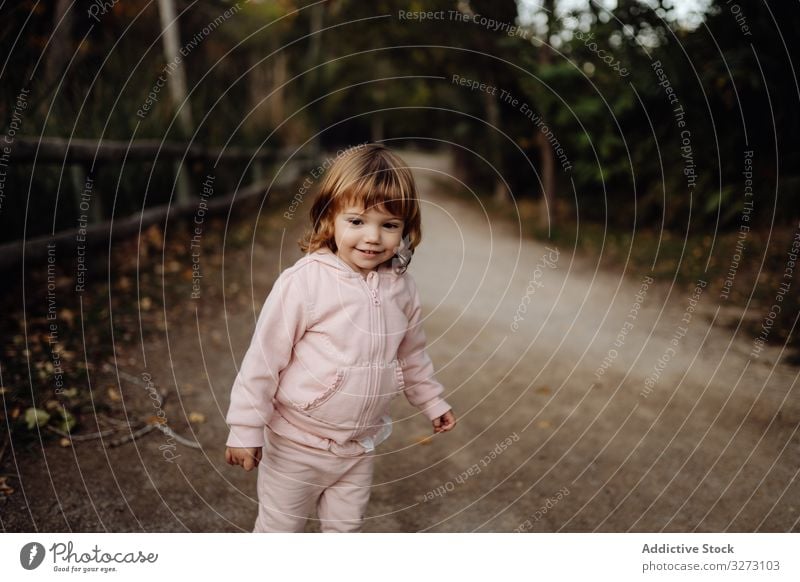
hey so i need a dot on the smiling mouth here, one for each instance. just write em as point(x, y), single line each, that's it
point(370, 253)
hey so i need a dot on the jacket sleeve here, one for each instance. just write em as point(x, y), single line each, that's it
point(281, 324)
point(421, 388)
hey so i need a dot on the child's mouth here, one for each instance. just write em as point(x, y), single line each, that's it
point(369, 253)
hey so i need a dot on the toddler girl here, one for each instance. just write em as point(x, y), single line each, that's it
point(338, 338)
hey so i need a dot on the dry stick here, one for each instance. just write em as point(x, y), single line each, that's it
point(162, 426)
point(171, 433)
point(82, 437)
point(132, 436)
point(113, 421)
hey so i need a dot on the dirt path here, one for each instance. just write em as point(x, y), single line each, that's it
point(543, 443)
point(703, 450)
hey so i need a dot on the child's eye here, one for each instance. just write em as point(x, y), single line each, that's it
point(391, 225)
point(355, 221)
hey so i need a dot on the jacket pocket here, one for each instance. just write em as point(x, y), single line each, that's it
point(344, 402)
point(328, 392)
point(356, 397)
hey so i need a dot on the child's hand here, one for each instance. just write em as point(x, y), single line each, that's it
point(445, 422)
point(246, 457)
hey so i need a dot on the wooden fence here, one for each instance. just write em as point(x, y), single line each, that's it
point(82, 155)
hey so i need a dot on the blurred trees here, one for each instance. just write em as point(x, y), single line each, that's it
point(589, 77)
point(624, 134)
point(342, 72)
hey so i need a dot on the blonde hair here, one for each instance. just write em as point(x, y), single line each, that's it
point(371, 176)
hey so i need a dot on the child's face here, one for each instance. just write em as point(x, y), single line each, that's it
point(365, 239)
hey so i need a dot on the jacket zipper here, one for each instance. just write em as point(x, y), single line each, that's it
point(380, 341)
point(374, 319)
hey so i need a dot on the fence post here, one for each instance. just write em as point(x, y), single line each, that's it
point(82, 185)
point(257, 171)
point(184, 184)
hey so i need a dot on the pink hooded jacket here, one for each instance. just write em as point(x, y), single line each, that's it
point(330, 351)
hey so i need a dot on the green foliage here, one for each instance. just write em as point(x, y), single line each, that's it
point(369, 73)
point(36, 418)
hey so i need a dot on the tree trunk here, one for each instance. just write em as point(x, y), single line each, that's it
point(313, 74)
point(376, 127)
point(547, 212)
point(60, 41)
point(175, 71)
point(277, 106)
point(264, 78)
point(500, 191)
point(60, 49)
point(177, 88)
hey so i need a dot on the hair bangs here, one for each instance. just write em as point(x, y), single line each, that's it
point(384, 188)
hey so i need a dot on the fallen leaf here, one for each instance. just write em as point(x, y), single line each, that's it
point(67, 315)
point(36, 417)
point(113, 394)
point(65, 442)
point(156, 420)
point(197, 417)
point(425, 440)
point(543, 424)
point(66, 421)
point(153, 236)
point(4, 488)
point(543, 390)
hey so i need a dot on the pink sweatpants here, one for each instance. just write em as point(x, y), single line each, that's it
point(293, 477)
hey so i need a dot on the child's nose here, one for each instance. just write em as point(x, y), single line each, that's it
point(372, 235)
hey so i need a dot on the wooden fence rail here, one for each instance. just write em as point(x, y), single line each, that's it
point(84, 152)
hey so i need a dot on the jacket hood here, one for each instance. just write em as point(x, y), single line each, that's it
point(327, 257)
